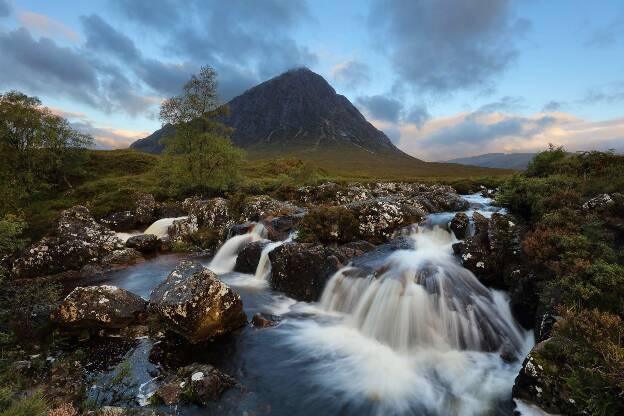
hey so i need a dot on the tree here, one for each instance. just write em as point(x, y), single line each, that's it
point(40, 151)
point(200, 153)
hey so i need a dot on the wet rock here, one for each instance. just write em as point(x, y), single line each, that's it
point(100, 307)
point(459, 225)
point(538, 384)
point(280, 228)
point(125, 256)
point(249, 257)
point(301, 270)
point(256, 208)
point(145, 243)
point(170, 210)
point(194, 303)
point(240, 229)
point(379, 218)
point(79, 240)
point(197, 383)
point(214, 214)
point(261, 321)
point(120, 221)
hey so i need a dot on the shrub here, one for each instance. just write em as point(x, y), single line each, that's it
point(329, 225)
point(33, 405)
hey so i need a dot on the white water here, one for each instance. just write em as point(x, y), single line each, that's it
point(263, 271)
point(160, 228)
point(420, 333)
point(225, 258)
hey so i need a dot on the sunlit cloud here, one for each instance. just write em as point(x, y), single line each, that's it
point(46, 26)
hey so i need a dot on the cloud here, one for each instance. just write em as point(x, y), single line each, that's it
point(418, 115)
point(606, 36)
point(441, 46)
point(5, 8)
point(553, 106)
point(351, 74)
point(474, 133)
point(46, 26)
point(504, 104)
point(607, 94)
point(381, 107)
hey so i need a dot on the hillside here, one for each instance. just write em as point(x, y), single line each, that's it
point(299, 115)
point(516, 161)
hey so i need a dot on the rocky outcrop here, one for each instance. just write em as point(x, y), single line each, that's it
point(539, 385)
point(379, 218)
point(599, 203)
point(214, 214)
point(124, 256)
point(145, 243)
point(143, 213)
point(459, 225)
point(256, 208)
point(120, 221)
point(194, 303)
point(100, 307)
point(249, 257)
point(196, 383)
point(301, 269)
point(79, 240)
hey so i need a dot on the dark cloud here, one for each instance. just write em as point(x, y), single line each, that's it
point(441, 46)
point(504, 104)
point(553, 106)
point(5, 8)
point(102, 37)
point(381, 107)
point(352, 74)
point(44, 67)
point(418, 115)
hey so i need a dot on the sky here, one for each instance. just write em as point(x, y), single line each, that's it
point(442, 78)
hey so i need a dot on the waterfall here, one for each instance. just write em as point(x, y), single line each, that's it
point(263, 271)
point(160, 228)
point(423, 298)
point(225, 258)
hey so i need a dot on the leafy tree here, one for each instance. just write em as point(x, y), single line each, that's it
point(545, 163)
point(40, 151)
point(201, 155)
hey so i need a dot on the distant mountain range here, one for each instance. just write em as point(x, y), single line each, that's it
point(516, 161)
point(298, 114)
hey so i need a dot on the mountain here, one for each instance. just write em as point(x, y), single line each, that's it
point(516, 161)
point(298, 114)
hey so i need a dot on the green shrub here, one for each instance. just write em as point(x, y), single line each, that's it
point(329, 225)
point(33, 405)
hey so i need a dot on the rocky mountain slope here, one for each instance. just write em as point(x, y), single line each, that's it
point(516, 161)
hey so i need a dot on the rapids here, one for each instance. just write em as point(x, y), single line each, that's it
point(397, 332)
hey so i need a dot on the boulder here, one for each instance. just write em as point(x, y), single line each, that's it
point(145, 208)
point(194, 303)
point(240, 229)
point(598, 203)
point(539, 383)
point(378, 218)
point(79, 240)
point(263, 321)
point(145, 243)
point(256, 208)
point(249, 257)
point(459, 225)
point(100, 307)
point(280, 228)
point(214, 214)
point(124, 256)
point(196, 383)
point(301, 269)
point(120, 221)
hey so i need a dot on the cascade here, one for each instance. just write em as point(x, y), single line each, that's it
point(225, 258)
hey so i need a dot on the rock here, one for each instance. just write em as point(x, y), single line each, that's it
point(256, 208)
point(539, 385)
point(125, 256)
point(196, 383)
point(100, 307)
point(79, 240)
point(598, 203)
point(301, 269)
point(214, 214)
point(145, 207)
point(379, 218)
point(261, 321)
point(459, 225)
point(145, 243)
point(240, 229)
point(249, 257)
point(280, 228)
point(120, 221)
point(170, 210)
point(194, 303)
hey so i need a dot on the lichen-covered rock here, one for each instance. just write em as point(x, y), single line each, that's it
point(145, 243)
point(249, 257)
point(196, 383)
point(120, 221)
point(125, 256)
point(144, 208)
point(459, 225)
point(256, 208)
point(301, 269)
point(379, 218)
point(194, 303)
point(539, 383)
point(598, 203)
point(100, 307)
point(79, 240)
point(214, 214)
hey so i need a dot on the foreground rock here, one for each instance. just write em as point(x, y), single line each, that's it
point(301, 270)
point(100, 307)
point(249, 257)
point(123, 257)
point(145, 243)
point(194, 303)
point(79, 240)
point(196, 383)
point(143, 213)
point(459, 225)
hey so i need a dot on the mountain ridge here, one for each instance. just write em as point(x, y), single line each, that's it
point(516, 161)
